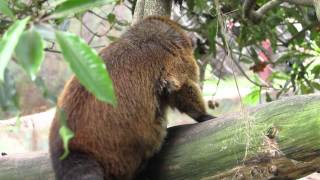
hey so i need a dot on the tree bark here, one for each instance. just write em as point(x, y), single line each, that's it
point(146, 8)
point(157, 7)
point(138, 11)
point(29, 166)
point(275, 140)
point(316, 4)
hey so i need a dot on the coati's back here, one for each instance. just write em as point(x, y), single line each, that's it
point(146, 64)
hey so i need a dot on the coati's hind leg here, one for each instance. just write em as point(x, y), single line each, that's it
point(77, 166)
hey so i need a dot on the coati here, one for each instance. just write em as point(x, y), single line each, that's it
point(152, 68)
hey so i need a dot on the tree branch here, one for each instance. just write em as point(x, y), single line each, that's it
point(98, 15)
point(256, 16)
point(268, 6)
point(52, 51)
point(248, 7)
point(284, 144)
point(300, 2)
point(316, 4)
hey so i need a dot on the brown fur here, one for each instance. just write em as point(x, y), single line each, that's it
point(152, 68)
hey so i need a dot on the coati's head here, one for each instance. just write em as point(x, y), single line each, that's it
point(161, 41)
point(161, 30)
point(175, 41)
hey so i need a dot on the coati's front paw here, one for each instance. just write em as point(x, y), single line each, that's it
point(205, 117)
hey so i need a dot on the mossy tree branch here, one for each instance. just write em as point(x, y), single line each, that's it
point(278, 139)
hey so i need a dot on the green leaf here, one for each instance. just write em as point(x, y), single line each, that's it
point(292, 55)
point(279, 75)
point(190, 4)
point(315, 85)
point(212, 34)
point(253, 97)
point(292, 29)
point(70, 7)
point(112, 38)
point(65, 133)
point(87, 65)
point(9, 99)
point(305, 89)
point(122, 22)
point(17, 125)
point(4, 9)
point(201, 4)
point(29, 52)
point(111, 18)
point(316, 71)
point(254, 55)
point(44, 90)
point(315, 47)
point(8, 43)
point(246, 60)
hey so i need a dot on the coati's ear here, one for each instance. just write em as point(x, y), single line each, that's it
point(172, 84)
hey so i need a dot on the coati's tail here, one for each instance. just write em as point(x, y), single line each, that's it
point(76, 166)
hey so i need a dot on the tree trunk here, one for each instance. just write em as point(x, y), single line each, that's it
point(316, 4)
point(146, 8)
point(138, 11)
point(278, 139)
point(156, 7)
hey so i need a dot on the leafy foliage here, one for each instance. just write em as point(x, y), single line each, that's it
point(28, 43)
point(283, 41)
point(25, 26)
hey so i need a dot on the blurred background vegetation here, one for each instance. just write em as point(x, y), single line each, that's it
point(248, 51)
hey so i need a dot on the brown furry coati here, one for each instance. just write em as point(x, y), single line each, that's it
point(152, 68)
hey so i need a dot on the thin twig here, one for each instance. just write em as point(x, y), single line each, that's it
point(52, 50)
point(240, 68)
point(219, 76)
point(91, 31)
point(98, 15)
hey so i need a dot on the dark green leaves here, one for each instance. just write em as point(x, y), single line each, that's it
point(4, 9)
point(9, 42)
point(70, 7)
point(29, 52)
point(87, 65)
